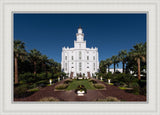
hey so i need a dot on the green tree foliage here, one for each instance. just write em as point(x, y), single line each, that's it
point(115, 60)
point(122, 57)
point(19, 53)
point(138, 53)
point(33, 67)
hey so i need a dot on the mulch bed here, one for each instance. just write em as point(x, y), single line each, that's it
point(92, 95)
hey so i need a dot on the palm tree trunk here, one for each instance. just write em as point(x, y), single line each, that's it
point(108, 68)
point(139, 74)
point(35, 67)
point(16, 70)
point(114, 67)
point(123, 67)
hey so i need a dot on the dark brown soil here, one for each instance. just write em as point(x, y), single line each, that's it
point(91, 95)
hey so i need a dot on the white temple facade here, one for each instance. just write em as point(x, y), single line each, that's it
point(79, 60)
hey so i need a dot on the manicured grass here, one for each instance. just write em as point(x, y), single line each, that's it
point(74, 84)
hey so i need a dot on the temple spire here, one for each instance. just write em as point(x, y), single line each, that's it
point(80, 34)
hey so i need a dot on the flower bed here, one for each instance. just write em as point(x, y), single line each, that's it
point(68, 81)
point(81, 88)
point(93, 81)
point(99, 86)
point(61, 86)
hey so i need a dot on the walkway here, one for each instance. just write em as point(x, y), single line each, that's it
point(92, 95)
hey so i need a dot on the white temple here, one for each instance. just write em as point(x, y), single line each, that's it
point(80, 61)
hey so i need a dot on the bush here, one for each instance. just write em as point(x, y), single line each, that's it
point(41, 76)
point(93, 81)
point(61, 86)
point(122, 79)
point(27, 77)
point(99, 86)
point(133, 85)
point(33, 90)
point(21, 91)
point(109, 99)
point(42, 83)
point(49, 99)
point(68, 81)
point(143, 91)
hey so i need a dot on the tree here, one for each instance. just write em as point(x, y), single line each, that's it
point(44, 60)
point(34, 56)
point(122, 57)
point(108, 63)
point(115, 61)
point(139, 53)
point(102, 66)
point(19, 52)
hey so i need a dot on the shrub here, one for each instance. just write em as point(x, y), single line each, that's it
point(68, 81)
point(93, 81)
point(61, 86)
point(49, 99)
point(99, 86)
point(27, 77)
point(143, 90)
point(42, 76)
point(33, 90)
point(133, 85)
point(49, 75)
point(109, 99)
point(42, 83)
point(20, 91)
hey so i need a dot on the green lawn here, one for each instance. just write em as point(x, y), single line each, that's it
point(74, 84)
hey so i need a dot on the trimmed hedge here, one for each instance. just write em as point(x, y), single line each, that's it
point(61, 86)
point(99, 86)
point(68, 81)
point(93, 81)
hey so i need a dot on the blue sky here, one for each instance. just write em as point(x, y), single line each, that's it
point(111, 33)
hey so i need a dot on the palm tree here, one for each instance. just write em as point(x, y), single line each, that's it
point(34, 56)
point(108, 63)
point(139, 53)
point(44, 60)
point(115, 61)
point(102, 66)
point(19, 51)
point(122, 57)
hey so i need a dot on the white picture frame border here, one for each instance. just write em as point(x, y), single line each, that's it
point(7, 7)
